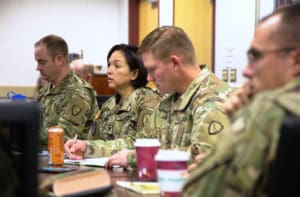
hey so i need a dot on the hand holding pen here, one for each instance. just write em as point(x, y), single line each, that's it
point(74, 142)
point(75, 148)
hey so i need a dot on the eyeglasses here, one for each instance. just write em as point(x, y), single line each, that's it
point(254, 55)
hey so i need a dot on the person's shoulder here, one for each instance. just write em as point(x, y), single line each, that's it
point(80, 86)
point(146, 97)
point(263, 112)
point(79, 94)
point(217, 83)
point(109, 104)
point(285, 98)
point(43, 89)
point(80, 82)
point(211, 88)
point(147, 91)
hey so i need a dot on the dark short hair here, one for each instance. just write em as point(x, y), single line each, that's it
point(134, 62)
point(288, 31)
point(55, 45)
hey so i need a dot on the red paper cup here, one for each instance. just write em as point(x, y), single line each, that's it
point(146, 150)
point(171, 171)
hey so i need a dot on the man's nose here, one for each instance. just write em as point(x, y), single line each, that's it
point(38, 67)
point(248, 72)
point(149, 77)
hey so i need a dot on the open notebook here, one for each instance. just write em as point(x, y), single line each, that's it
point(98, 162)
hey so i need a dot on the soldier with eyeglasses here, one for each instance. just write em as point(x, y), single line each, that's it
point(241, 161)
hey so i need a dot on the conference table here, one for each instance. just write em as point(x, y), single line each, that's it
point(116, 174)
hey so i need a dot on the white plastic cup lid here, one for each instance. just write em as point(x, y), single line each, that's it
point(147, 142)
point(171, 155)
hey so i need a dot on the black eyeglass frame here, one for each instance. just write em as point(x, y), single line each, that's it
point(254, 55)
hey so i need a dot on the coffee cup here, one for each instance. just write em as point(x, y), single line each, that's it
point(171, 171)
point(146, 149)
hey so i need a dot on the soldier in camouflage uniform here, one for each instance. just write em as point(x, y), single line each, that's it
point(240, 163)
point(191, 116)
point(123, 114)
point(66, 100)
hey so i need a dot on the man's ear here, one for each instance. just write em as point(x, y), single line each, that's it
point(176, 61)
point(296, 69)
point(89, 78)
point(59, 60)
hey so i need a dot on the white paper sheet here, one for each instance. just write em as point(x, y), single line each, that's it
point(99, 162)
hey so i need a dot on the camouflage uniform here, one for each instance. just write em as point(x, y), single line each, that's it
point(240, 162)
point(72, 105)
point(191, 121)
point(119, 123)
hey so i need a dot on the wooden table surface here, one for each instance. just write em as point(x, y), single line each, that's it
point(116, 174)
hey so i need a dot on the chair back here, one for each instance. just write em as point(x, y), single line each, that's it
point(284, 174)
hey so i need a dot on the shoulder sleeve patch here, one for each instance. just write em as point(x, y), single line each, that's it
point(76, 110)
point(215, 127)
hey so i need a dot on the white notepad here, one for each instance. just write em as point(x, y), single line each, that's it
point(99, 162)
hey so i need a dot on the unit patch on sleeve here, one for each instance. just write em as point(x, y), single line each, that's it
point(76, 110)
point(215, 127)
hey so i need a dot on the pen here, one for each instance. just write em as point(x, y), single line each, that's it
point(74, 141)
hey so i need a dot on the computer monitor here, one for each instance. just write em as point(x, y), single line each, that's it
point(23, 120)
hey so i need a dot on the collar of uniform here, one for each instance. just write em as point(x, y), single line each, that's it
point(48, 90)
point(286, 96)
point(180, 102)
point(291, 98)
point(275, 93)
point(126, 106)
point(132, 98)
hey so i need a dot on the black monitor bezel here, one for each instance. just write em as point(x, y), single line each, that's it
point(26, 114)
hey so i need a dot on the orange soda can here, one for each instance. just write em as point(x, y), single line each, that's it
point(56, 145)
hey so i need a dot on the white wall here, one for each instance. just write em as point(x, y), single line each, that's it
point(93, 26)
point(266, 7)
point(234, 29)
point(166, 12)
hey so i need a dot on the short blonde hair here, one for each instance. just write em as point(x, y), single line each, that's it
point(167, 40)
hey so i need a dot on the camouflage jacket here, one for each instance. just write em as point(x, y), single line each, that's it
point(239, 164)
point(190, 121)
point(72, 104)
point(118, 123)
